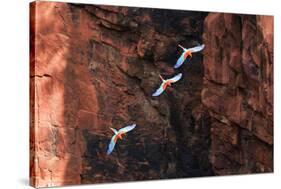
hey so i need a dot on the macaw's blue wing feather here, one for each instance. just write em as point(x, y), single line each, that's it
point(197, 48)
point(180, 60)
point(111, 145)
point(176, 78)
point(159, 91)
point(127, 128)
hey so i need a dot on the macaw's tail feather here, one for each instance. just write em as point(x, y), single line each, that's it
point(114, 130)
point(161, 78)
point(181, 46)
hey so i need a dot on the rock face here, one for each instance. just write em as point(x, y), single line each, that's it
point(95, 67)
point(238, 92)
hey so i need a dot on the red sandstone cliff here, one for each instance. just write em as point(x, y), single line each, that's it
point(238, 92)
point(95, 67)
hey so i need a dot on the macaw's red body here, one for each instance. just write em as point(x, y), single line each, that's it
point(187, 54)
point(166, 83)
point(118, 136)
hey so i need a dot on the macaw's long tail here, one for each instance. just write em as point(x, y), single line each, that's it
point(181, 46)
point(114, 131)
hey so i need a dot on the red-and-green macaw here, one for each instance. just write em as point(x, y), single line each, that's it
point(166, 83)
point(186, 53)
point(118, 135)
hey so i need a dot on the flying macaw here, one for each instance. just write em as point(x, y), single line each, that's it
point(118, 135)
point(186, 53)
point(166, 83)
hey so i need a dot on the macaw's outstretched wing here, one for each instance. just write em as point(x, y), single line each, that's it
point(180, 60)
point(111, 145)
point(197, 48)
point(159, 91)
point(175, 78)
point(127, 128)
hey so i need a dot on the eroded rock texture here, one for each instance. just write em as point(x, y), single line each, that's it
point(238, 92)
point(95, 67)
